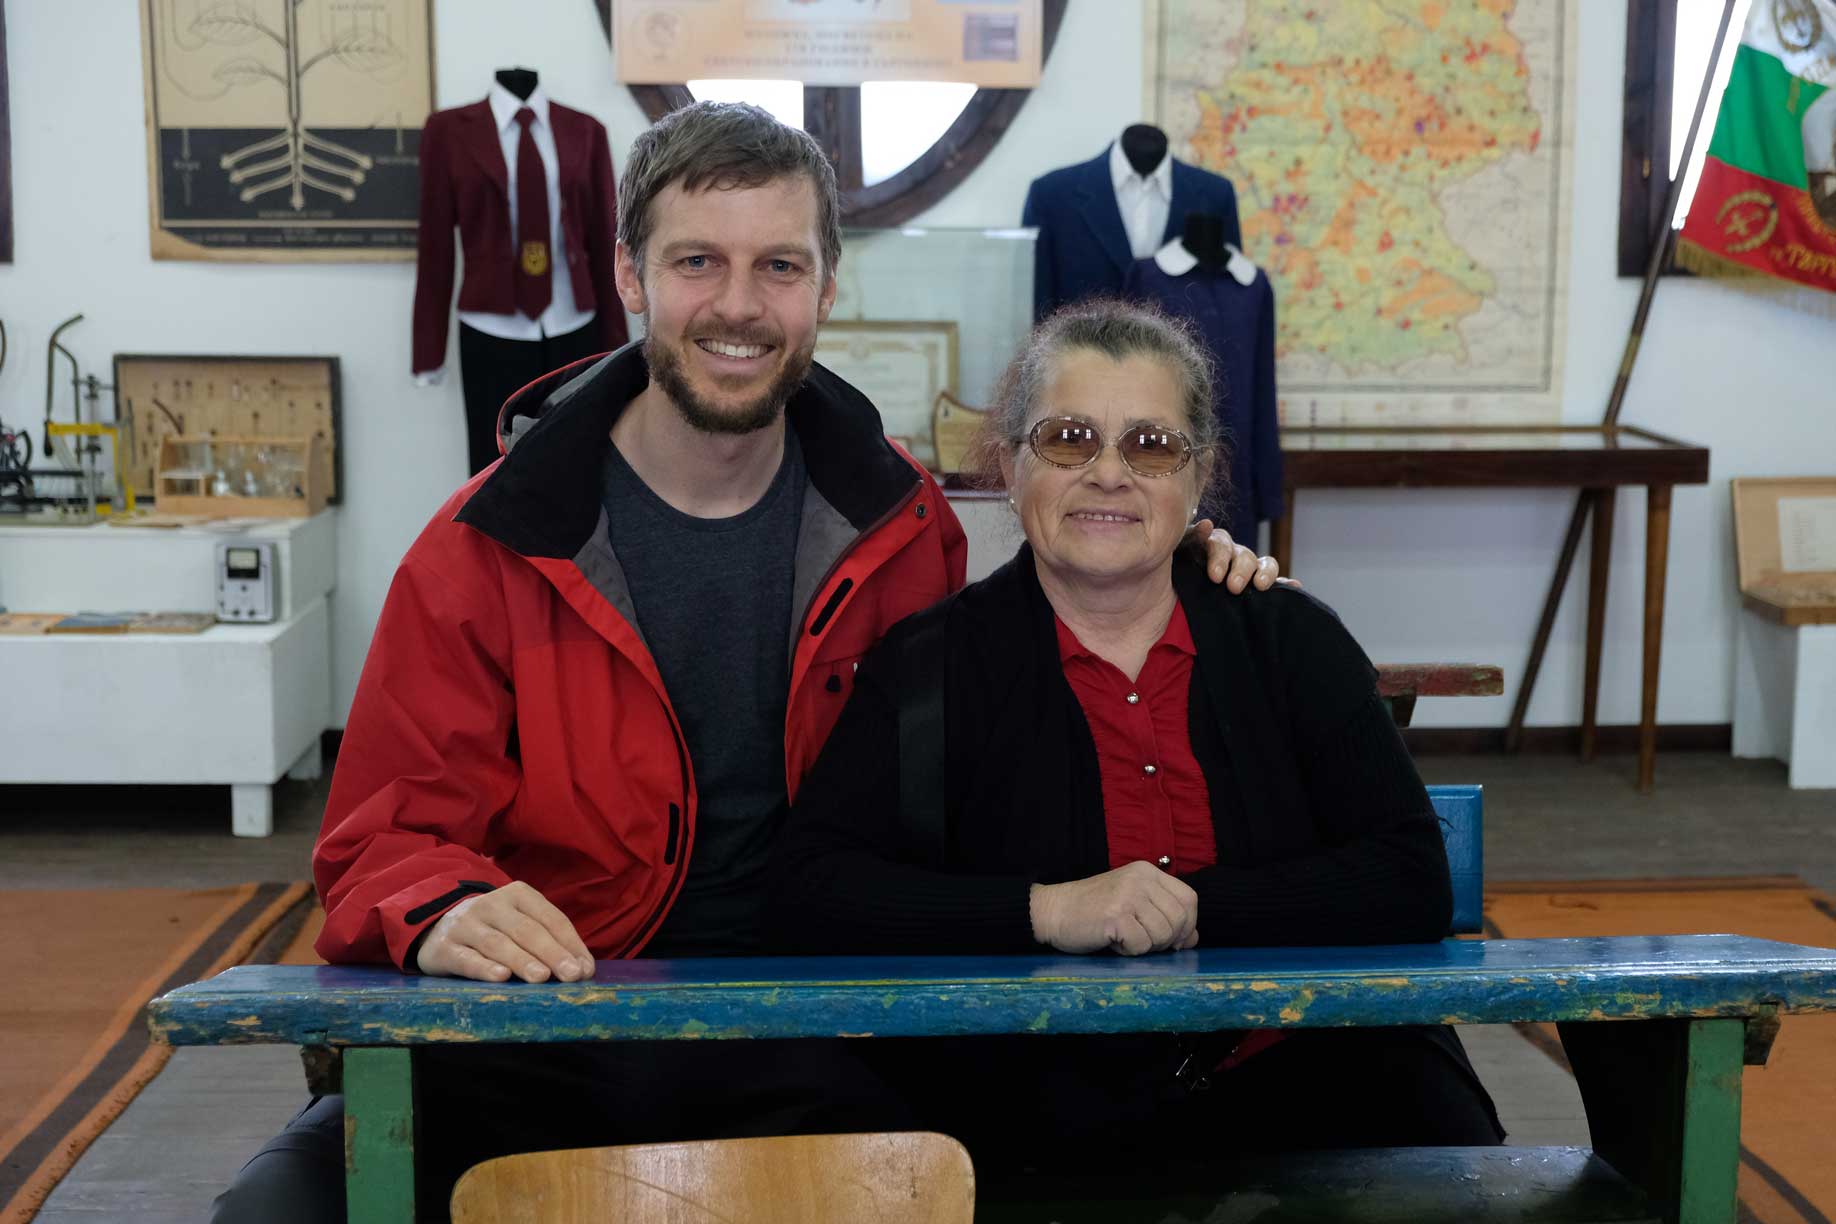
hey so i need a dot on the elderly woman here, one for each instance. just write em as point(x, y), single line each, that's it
point(1094, 750)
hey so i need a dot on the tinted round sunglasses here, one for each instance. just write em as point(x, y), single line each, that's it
point(1148, 450)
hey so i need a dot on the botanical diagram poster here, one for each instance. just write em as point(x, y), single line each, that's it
point(1402, 171)
point(285, 129)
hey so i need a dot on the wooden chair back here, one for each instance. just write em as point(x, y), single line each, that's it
point(893, 1177)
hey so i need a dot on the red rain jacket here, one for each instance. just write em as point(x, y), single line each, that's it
point(510, 723)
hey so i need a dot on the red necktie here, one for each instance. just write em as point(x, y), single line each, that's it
point(532, 261)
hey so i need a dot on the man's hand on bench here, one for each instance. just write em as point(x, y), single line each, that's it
point(513, 931)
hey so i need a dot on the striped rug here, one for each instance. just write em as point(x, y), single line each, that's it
point(1788, 1106)
point(76, 971)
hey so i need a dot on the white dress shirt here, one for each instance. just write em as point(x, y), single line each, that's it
point(1143, 199)
point(562, 315)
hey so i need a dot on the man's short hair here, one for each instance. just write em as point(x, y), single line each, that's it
point(723, 145)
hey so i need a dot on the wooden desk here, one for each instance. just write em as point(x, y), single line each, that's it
point(1595, 458)
point(1656, 1028)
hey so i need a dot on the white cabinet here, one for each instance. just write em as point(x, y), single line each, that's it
point(100, 568)
point(238, 705)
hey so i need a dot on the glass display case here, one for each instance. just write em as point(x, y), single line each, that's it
point(924, 322)
point(218, 476)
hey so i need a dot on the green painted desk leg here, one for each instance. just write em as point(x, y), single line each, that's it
point(1663, 1105)
point(379, 1135)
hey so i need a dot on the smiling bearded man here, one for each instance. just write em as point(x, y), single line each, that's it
point(748, 333)
point(668, 371)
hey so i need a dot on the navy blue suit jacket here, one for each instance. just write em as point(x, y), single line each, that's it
point(1083, 248)
point(1238, 325)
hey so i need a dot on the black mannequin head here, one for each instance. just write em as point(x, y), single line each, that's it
point(1204, 237)
point(519, 81)
point(1144, 145)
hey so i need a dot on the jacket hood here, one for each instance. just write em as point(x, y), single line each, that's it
point(526, 406)
point(542, 499)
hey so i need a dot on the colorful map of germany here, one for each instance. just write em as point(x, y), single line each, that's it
point(1399, 170)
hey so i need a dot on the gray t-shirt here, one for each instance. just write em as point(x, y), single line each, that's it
point(713, 601)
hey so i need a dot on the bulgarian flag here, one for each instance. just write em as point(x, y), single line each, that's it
point(1766, 203)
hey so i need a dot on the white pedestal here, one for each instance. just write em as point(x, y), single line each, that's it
point(1785, 697)
point(239, 705)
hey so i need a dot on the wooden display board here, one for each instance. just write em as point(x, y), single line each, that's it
point(1785, 547)
point(247, 397)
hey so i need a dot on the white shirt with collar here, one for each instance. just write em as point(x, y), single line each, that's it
point(562, 315)
point(1144, 200)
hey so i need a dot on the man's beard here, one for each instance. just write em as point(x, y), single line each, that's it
point(666, 371)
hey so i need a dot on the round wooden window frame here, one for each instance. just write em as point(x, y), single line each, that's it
point(832, 114)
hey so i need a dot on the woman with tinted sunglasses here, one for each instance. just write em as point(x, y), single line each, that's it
point(1093, 750)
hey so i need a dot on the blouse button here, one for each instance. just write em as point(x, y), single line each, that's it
point(1149, 770)
point(1163, 861)
point(1134, 698)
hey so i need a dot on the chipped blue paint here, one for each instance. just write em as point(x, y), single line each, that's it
point(1457, 981)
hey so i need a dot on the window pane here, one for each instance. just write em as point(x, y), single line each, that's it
point(1696, 22)
point(784, 99)
point(900, 120)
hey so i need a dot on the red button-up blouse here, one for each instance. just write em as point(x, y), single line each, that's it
point(1155, 800)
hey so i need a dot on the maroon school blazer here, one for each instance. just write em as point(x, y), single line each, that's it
point(464, 183)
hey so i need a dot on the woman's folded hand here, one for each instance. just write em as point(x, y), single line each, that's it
point(1134, 909)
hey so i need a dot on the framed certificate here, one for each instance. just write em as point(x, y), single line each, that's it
point(902, 367)
point(1785, 547)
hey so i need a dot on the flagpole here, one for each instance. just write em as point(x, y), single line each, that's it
point(1584, 502)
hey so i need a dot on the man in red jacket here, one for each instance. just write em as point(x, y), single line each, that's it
point(605, 665)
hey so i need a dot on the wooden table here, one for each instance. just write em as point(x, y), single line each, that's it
point(1656, 1028)
point(1595, 458)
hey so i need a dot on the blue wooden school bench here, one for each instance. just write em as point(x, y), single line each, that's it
point(1657, 1030)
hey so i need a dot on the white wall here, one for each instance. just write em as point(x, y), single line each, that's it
point(1417, 575)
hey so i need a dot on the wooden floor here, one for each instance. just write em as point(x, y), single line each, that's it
point(185, 1136)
